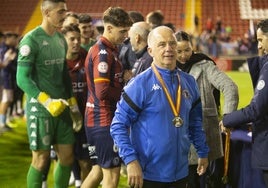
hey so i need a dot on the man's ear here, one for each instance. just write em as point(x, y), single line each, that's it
point(150, 51)
point(109, 28)
point(137, 38)
point(46, 12)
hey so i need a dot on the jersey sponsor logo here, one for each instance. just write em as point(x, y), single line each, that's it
point(103, 52)
point(260, 85)
point(25, 50)
point(103, 67)
point(156, 87)
point(79, 86)
point(54, 61)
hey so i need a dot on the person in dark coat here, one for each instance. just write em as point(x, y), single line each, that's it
point(256, 112)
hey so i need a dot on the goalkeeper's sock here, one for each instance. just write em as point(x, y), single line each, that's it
point(62, 176)
point(34, 178)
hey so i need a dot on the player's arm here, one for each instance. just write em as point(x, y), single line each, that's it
point(104, 91)
point(25, 82)
point(103, 88)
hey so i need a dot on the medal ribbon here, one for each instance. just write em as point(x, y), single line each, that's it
point(176, 111)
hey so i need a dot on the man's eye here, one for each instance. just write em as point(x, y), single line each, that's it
point(161, 44)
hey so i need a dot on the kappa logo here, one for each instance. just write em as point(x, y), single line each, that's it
point(33, 143)
point(33, 134)
point(33, 125)
point(32, 117)
point(33, 100)
point(156, 87)
point(34, 109)
point(103, 52)
point(45, 43)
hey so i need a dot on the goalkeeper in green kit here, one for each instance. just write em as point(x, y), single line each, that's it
point(52, 111)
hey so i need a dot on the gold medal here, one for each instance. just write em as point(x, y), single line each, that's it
point(177, 121)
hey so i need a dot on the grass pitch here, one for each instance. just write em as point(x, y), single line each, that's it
point(15, 155)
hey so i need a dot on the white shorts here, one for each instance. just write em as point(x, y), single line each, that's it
point(7, 95)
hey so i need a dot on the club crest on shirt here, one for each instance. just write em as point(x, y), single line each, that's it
point(186, 94)
point(260, 85)
point(103, 67)
point(25, 50)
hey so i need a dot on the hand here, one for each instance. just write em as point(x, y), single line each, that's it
point(202, 166)
point(10, 55)
point(75, 114)
point(134, 172)
point(223, 129)
point(127, 75)
point(54, 106)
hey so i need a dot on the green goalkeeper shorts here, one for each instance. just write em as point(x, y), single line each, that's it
point(46, 131)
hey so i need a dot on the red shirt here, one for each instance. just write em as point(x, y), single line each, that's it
point(76, 70)
point(105, 83)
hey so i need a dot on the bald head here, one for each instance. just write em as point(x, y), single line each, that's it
point(162, 46)
point(159, 31)
point(138, 34)
point(141, 28)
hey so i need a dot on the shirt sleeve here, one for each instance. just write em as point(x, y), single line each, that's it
point(257, 108)
point(26, 58)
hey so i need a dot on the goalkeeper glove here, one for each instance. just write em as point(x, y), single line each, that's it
point(75, 114)
point(54, 106)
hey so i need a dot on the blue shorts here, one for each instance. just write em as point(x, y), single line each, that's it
point(102, 150)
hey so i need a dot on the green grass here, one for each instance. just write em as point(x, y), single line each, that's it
point(245, 88)
point(15, 155)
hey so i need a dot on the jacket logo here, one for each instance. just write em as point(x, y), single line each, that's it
point(156, 87)
point(260, 85)
point(102, 52)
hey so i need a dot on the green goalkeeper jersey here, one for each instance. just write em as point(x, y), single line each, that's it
point(42, 67)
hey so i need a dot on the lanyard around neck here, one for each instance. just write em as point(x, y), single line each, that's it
point(175, 110)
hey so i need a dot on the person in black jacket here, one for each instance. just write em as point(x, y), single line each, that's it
point(256, 112)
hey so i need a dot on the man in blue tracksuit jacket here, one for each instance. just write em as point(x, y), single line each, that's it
point(257, 111)
point(153, 148)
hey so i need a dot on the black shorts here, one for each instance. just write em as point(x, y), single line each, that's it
point(102, 150)
point(81, 145)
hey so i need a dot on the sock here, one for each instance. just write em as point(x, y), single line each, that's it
point(61, 176)
point(2, 120)
point(44, 184)
point(78, 183)
point(46, 171)
point(34, 178)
